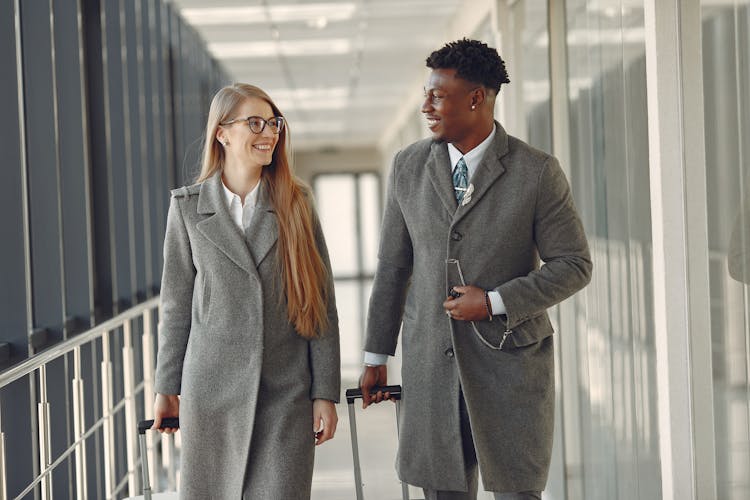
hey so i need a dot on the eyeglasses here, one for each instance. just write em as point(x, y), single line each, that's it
point(258, 124)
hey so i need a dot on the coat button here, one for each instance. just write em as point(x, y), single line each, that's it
point(456, 236)
point(449, 352)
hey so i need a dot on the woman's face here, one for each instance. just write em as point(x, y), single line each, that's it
point(244, 145)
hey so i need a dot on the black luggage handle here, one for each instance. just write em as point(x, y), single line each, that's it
point(168, 422)
point(352, 394)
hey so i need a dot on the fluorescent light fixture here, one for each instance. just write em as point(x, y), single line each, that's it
point(313, 12)
point(235, 50)
point(317, 127)
point(310, 99)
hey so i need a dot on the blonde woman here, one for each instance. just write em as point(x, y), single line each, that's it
point(248, 340)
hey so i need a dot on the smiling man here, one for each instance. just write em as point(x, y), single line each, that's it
point(469, 214)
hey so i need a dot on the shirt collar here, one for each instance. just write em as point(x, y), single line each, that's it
point(473, 157)
point(231, 197)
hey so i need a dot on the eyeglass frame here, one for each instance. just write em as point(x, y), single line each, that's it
point(279, 119)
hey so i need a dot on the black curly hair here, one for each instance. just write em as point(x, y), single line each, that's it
point(473, 61)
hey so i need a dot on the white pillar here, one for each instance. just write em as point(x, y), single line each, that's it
point(680, 242)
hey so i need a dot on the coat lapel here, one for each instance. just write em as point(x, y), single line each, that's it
point(219, 228)
point(488, 171)
point(263, 230)
point(439, 172)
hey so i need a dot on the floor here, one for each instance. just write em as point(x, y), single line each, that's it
point(333, 478)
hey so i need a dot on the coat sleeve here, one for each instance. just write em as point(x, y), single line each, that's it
point(562, 245)
point(175, 302)
point(395, 262)
point(325, 352)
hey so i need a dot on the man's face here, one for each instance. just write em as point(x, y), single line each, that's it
point(447, 106)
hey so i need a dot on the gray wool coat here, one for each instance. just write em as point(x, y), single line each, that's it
point(520, 210)
point(246, 378)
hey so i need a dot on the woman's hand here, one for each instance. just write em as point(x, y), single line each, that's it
point(165, 405)
point(324, 420)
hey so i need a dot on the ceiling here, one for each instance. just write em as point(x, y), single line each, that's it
point(338, 70)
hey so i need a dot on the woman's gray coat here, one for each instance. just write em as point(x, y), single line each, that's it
point(520, 210)
point(246, 378)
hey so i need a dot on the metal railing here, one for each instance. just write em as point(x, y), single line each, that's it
point(35, 368)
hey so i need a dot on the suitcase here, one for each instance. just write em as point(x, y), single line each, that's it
point(351, 396)
point(143, 426)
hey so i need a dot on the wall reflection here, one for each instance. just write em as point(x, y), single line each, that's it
point(612, 430)
point(726, 78)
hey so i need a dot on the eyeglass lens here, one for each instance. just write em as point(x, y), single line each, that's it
point(257, 124)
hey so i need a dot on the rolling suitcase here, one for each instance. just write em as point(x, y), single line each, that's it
point(143, 426)
point(351, 396)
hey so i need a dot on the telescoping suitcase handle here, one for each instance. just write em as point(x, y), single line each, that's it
point(351, 396)
point(143, 426)
point(395, 390)
point(166, 423)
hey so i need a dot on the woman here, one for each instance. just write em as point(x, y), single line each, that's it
point(249, 332)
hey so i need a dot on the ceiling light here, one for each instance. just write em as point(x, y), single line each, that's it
point(314, 12)
point(318, 127)
point(289, 48)
point(318, 23)
point(310, 99)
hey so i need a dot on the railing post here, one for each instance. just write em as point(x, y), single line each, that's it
point(107, 427)
point(130, 418)
point(148, 385)
point(45, 442)
point(79, 423)
point(3, 482)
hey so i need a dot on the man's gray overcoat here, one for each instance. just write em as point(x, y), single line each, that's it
point(246, 378)
point(520, 210)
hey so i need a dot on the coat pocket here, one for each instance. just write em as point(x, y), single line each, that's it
point(203, 299)
point(532, 331)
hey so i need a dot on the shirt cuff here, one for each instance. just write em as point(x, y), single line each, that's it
point(373, 358)
point(498, 306)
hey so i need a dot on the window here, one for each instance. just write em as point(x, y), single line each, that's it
point(349, 209)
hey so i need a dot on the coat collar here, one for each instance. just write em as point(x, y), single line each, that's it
point(438, 170)
point(488, 171)
point(220, 230)
point(263, 230)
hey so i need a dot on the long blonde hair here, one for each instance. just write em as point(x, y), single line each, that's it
point(304, 275)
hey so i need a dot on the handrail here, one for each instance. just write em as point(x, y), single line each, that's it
point(27, 366)
point(69, 451)
point(35, 368)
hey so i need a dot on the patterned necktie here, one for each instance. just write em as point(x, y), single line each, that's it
point(460, 179)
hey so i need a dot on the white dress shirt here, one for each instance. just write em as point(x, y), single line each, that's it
point(472, 158)
point(241, 213)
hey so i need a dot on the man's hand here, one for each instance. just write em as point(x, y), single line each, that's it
point(324, 420)
point(165, 405)
point(470, 306)
point(372, 376)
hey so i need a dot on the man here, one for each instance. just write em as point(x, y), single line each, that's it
point(470, 212)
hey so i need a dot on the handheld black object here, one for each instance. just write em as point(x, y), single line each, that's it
point(352, 394)
point(169, 422)
point(453, 293)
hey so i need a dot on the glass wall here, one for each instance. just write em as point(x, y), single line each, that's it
point(349, 209)
point(610, 399)
point(726, 78)
point(535, 77)
point(92, 100)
